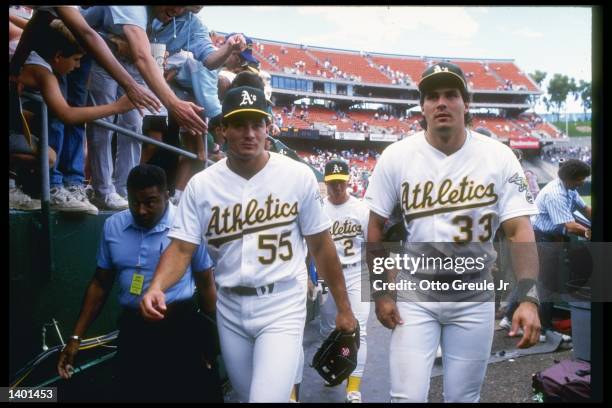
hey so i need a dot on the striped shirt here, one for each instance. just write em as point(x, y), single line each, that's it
point(556, 205)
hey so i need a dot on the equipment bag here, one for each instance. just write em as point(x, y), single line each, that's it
point(566, 381)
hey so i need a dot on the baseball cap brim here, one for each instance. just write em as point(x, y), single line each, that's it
point(332, 177)
point(252, 111)
point(440, 79)
point(249, 57)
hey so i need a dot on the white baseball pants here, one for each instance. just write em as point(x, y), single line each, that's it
point(261, 337)
point(465, 330)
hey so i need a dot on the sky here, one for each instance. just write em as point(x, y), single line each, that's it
point(550, 39)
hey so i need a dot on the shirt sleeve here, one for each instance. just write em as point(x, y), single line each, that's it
point(381, 195)
point(557, 209)
point(515, 198)
point(201, 261)
point(579, 201)
point(311, 217)
point(103, 258)
point(199, 42)
point(188, 222)
point(129, 15)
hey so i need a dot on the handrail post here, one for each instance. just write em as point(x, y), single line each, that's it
point(45, 214)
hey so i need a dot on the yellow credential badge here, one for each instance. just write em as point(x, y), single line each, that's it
point(137, 284)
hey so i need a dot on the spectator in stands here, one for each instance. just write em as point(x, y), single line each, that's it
point(195, 78)
point(237, 62)
point(67, 140)
point(183, 343)
point(125, 27)
point(56, 54)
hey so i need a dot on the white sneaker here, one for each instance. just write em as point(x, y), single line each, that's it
point(113, 202)
point(79, 194)
point(89, 191)
point(353, 397)
point(19, 200)
point(507, 324)
point(564, 337)
point(62, 200)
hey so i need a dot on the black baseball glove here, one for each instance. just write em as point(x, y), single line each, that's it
point(337, 357)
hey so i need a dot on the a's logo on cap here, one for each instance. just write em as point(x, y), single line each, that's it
point(438, 68)
point(247, 98)
point(336, 169)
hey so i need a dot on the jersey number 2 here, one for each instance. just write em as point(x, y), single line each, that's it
point(348, 245)
point(269, 242)
point(467, 228)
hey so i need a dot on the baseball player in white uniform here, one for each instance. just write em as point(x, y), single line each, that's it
point(453, 185)
point(349, 218)
point(257, 211)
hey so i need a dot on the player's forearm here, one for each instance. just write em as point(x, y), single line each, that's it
point(374, 247)
point(523, 251)
point(172, 266)
point(323, 250)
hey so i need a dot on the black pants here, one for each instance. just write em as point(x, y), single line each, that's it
point(172, 360)
point(550, 250)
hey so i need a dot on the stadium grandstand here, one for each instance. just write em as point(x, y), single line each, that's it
point(355, 101)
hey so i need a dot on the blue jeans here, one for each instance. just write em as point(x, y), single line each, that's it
point(67, 140)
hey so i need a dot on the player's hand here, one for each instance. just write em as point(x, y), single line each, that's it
point(346, 322)
point(142, 98)
point(187, 114)
point(587, 234)
point(66, 359)
point(526, 317)
point(387, 313)
point(153, 304)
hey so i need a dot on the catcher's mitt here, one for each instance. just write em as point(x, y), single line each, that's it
point(337, 357)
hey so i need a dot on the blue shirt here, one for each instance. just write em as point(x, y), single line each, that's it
point(111, 19)
point(556, 205)
point(128, 248)
point(185, 32)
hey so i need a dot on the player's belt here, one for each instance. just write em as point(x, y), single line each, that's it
point(344, 266)
point(261, 290)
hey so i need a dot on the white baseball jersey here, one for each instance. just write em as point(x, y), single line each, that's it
point(458, 198)
point(254, 228)
point(349, 228)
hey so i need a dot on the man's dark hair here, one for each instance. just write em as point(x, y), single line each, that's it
point(467, 118)
point(247, 78)
point(573, 170)
point(147, 175)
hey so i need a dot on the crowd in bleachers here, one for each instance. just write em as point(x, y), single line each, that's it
point(557, 154)
point(361, 163)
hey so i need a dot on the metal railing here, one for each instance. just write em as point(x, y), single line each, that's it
point(43, 149)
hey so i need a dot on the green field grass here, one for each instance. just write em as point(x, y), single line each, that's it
point(579, 128)
point(587, 200)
